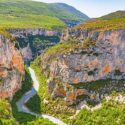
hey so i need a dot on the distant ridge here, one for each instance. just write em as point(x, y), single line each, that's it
point(114, 15)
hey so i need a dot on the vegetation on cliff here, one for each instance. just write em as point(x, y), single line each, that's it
point(66, 47)
point(7, 35)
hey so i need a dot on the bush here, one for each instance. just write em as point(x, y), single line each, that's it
point(111, 113)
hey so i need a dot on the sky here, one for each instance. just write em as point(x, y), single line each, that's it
point(93, 8)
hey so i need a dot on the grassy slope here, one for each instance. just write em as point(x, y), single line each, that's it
point(112, 113)
point(102, 25)
point(114, 15)
point(115, 20)
point(68, 12)
point(31, 14)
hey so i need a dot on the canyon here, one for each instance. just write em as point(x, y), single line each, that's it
point(59, 66)
point(87, 65)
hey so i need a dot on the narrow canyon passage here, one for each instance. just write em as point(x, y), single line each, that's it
point(26, 97)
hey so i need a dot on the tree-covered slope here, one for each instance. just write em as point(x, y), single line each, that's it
point(27, 14)
point(114, 15)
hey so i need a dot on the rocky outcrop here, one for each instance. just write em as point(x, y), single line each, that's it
point(11, 68)
point(98, 59)
point(33, 41)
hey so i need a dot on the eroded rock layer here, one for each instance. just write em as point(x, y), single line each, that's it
point(11, 68)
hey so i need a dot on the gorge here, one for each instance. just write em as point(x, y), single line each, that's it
point(58, 66)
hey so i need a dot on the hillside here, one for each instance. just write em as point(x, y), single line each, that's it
point(115, 20)
point(31, 14)
point(103, 25)
point(114, 15)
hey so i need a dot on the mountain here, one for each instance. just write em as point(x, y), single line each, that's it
point(69, 12)
point(32, 14)
point(114, 15)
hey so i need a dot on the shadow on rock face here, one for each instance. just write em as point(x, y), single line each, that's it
point(94, 92)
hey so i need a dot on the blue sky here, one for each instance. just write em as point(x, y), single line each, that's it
point(93, 8)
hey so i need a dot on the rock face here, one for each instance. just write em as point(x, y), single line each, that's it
point(33, 41)
point(101, 59)
point(11, 68)
point(100, 56)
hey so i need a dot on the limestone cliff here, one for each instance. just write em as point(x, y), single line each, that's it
point(33, 41)
point(11, 68)
point(86, 64)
